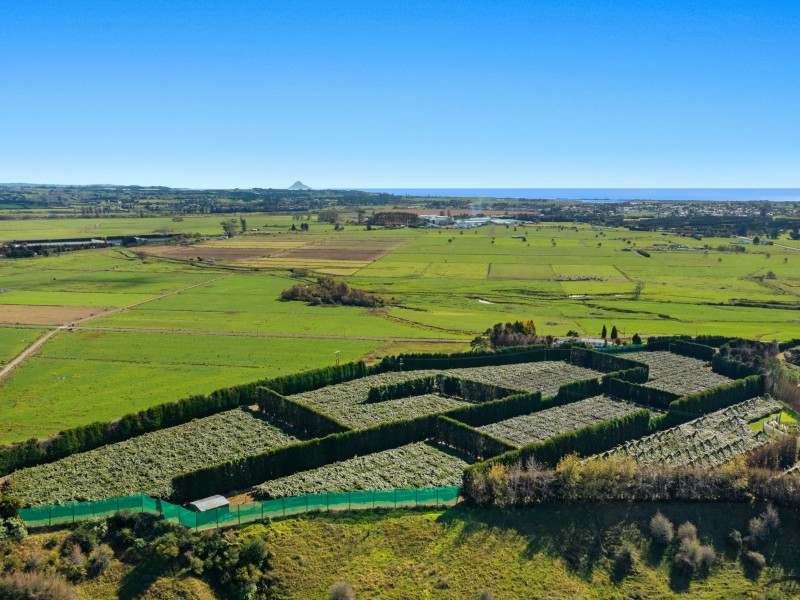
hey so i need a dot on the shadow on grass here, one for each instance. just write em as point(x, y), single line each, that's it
point(587, 536)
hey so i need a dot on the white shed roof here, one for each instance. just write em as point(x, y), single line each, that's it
point(209, 503)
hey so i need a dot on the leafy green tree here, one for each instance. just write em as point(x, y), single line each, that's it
point(604, 333)
point(614, 335)
point(229, 227)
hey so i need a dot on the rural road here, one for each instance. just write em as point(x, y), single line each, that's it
point(30, 350)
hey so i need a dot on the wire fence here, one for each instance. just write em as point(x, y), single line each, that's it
point(59, 514)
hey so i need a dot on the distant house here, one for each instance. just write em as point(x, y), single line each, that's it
point(209, 503)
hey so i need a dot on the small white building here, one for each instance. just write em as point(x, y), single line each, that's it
point(209, 503)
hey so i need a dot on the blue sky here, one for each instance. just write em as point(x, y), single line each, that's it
point(561, 93)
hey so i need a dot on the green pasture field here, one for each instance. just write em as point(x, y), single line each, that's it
point(441, 284)
point(56, 229)
point(13, 341)
point(82, 377)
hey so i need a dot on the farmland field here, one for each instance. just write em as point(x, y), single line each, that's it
point(147, 464)
point(418, 465)
point(13, 341)
point(539, 426)
point(678, 374)
point(83, 377)
point(442, 285)
point(346, 402)
point(709, 441)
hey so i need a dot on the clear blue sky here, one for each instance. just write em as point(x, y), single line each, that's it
point(490, 93)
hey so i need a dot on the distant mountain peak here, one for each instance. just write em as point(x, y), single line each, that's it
point(298, 185)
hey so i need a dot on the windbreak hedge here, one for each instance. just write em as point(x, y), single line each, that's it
point(477, 415)
point(693, 350)
point(602, 361)
point(472, 391)
point(696, 405)
point(639, 394)
point(730, 367)
point(94, 435)
point(469, 440)
point(635, 375)
point(280, 462)
point(403, 389)
point(587, 441)
point(503, 356)
point(300, 416)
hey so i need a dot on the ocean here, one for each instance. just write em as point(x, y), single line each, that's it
point(605, 194)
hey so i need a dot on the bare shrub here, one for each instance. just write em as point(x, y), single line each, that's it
point(755, 559)
point(707, 556)
point(100, 559)
point(341, 590)
point(771, 518)
point(36, 586)
point(758, 529)
point(735, 538)
point(485, 595)
point(661, 529)
point(76, 555)
point(687, 531)
point(688, 556)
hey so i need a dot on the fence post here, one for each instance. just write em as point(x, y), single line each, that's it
point(73, 512)
point(239, 512)
point(349, 500)
point(328, 501)
point(216, 510)
point(437, 494)
point(141, 501)
point(50, 515)
point(395, 497)
point(416, 496)
point(117, 503)
point(307, 502)
point(262, 510)
point(284, 506)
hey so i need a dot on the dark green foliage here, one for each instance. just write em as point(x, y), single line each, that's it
point(783, 346)
point(577, 390)
point(472, 391)
point(404, 389)
point(502, 356)
point(634, 375)
point(603, 361)
point(693, 350)
point(730, 367)
point(584, 442)
point(9, 506)
point(287, 460)
point(315, 379)
point(328, 291)
point(300, 416)
point(639, 394)
point(692, 406)
point(712, 340)
point(499, 410)
point(468, 439)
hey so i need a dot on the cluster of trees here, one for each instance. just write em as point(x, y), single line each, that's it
point(232, 227)
point(326, 290)
point(239, 568)
point(530, 482)
point(500, 335)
